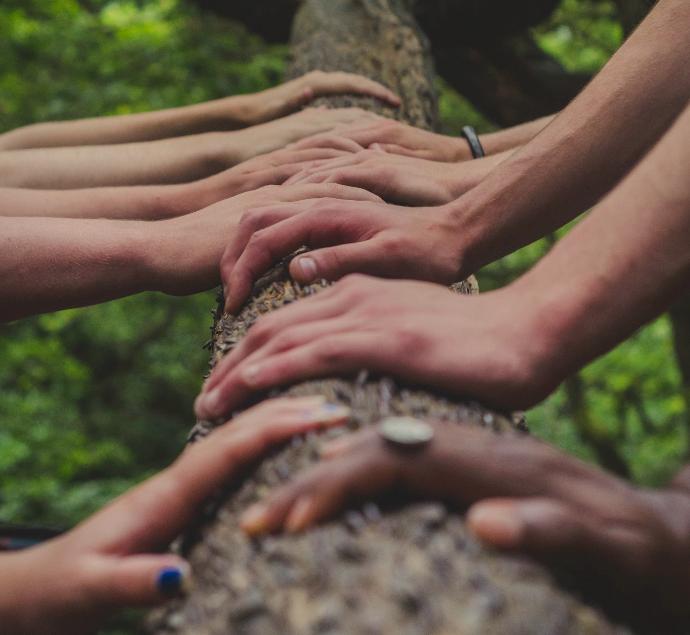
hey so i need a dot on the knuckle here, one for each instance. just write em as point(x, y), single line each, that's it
point(392, 244)
point(330, 352)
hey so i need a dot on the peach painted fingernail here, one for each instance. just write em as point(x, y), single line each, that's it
point(254, 520)
point(300, 515)
point(308, 268)
point(498, 525)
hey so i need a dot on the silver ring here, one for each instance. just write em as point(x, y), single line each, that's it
point(405, 432)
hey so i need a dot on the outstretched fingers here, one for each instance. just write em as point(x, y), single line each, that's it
point(151, 515)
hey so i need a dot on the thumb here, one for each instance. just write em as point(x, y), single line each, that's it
point(140, 580)
point(332, 263)
point(539, 526)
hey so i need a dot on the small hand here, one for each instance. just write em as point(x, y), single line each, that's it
point(297, 93)
point(395, 138)
point(525, 496)
point(488, 347)
point(348, 237)
point(397, 179)
point(113, 559)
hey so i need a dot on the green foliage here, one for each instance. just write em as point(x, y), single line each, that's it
point(94, 400)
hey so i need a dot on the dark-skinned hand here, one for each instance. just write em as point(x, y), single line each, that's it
point(523, 496)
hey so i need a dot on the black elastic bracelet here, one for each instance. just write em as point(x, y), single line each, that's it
point(473, 140)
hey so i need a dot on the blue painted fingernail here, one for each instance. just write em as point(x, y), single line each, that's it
point(170, 581)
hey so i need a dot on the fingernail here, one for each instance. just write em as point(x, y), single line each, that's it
point(330, 411)
point(308, 268)
point(172, 581)
point(499, 525)
point(300, 515)
point(253, 521)
point(207, 404)
point(251, 374)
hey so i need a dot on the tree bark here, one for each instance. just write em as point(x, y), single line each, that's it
point(410, 569)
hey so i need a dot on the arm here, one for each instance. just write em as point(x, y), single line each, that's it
point(229, 113)
point(620, 267)
point(567, 168)
point(589, 147)
point(113, 560)
point(48, 264)
point(525, 497)
point(154, 202)
point(165, 161)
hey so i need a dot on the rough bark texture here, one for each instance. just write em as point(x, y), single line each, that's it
point(404, 570)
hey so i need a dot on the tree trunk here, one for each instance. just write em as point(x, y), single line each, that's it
point(407, 569)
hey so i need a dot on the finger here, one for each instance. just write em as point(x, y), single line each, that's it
point(151, 515)
point(333, 263)
point(302, 177)
point(325, 190)
point(339, 83)
point(366, 471)
point(332, 141)
point(392, 148)
point(269, 244)
point(142, 580)
point(550, 529)
point(332, 355)
point(321, 306)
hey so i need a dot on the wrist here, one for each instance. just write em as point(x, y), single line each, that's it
point(241, 111)
point(460, 149)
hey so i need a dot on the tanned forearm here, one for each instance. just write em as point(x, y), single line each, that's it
point(621, 266)
point(221, 114)
point(164, 161)
point(49, 263)
point(512, 138)
point(589, 147)
point(156, 162)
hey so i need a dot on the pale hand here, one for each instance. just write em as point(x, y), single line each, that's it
point(347, 237)
point(291, 96)
point(396, 138)
point(486, 347)
point(395, 178)
point(185, 252)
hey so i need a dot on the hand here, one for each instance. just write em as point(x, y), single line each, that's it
point(273, 168)
point(185, 252)
point(395, 178)
point(487, 347)
point(297, 93)
point(395, 138)
point(279, 133)
point(362, 237)
point(113, 560)
point(525, 496)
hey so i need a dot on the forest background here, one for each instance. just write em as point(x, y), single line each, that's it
point(94, 400)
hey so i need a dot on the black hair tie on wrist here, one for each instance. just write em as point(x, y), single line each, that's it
point(473, 140)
